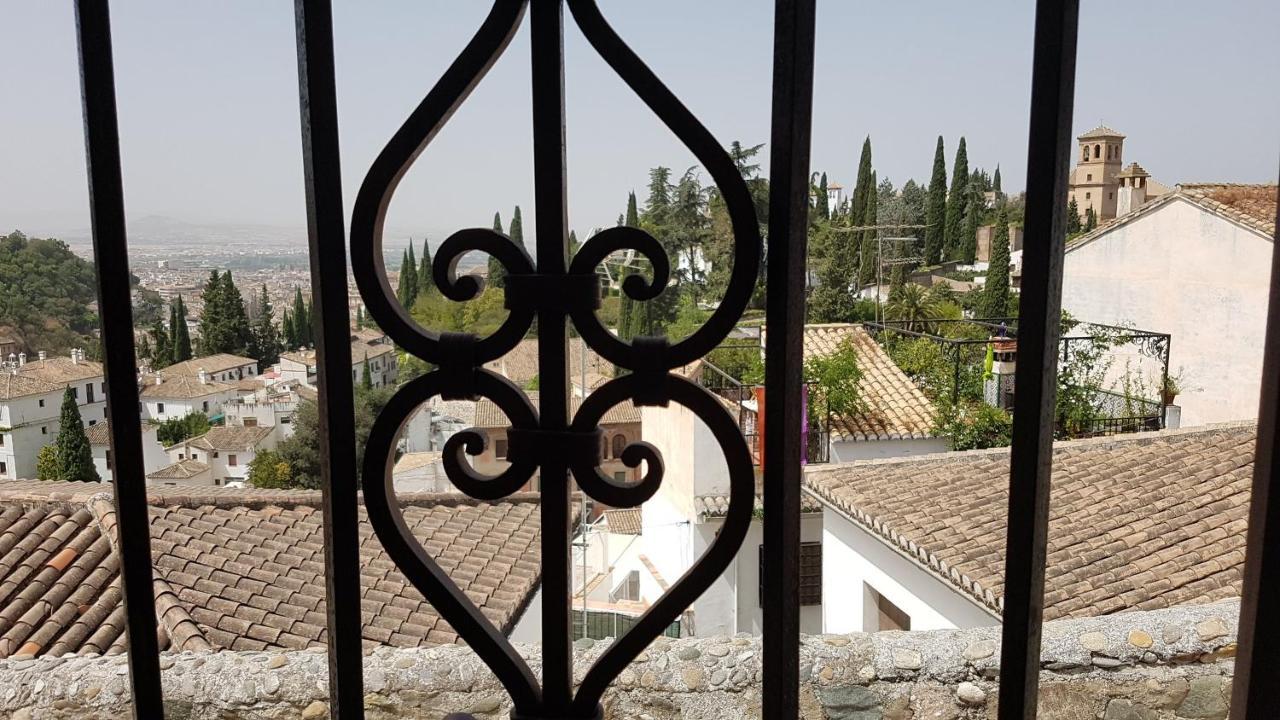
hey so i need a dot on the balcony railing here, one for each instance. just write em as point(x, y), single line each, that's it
point(557, 291)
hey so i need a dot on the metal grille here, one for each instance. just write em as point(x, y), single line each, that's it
point(557, 291)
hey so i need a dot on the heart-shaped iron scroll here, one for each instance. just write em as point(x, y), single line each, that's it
point(557, 293)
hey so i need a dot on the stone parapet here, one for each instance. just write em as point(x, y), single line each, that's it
point(1155, 665)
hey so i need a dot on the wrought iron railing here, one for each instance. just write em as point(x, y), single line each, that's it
point(557, 290)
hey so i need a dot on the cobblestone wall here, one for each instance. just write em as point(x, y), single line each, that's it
point(1157, 665)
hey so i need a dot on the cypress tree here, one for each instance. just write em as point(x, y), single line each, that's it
point(633, 213)
point(850, 243)
point(870, 238)
point(266, 338)
point(995, 293)
point(497, 274)
point(936, 210)
point(181, 342)
point(301, 322)
point(995, 182)
point(824, 211)
point(309, 326)
point(517, 228)
point(620, 221)
point(573, 242)
point(239, 332)
point(1073, 217)
point(75, 457)
point(425, 285)
point(287, 330)
point(359, 317)
point(956, 204)
point(969, 236)
point(408, 286)
point(366, 377)
point(212, 319)
point(1091, 220)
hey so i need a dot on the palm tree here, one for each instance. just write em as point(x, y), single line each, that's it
point(913, 305)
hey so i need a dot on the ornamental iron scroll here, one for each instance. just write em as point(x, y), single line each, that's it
point(546, 441)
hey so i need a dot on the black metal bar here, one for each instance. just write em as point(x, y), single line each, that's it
point(1256, 689)
point(546, 24)
point(1048, 165)
point(332, 327)
point(794, 24)
point(111, 259)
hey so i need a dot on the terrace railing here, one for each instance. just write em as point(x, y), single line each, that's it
point(558, 290)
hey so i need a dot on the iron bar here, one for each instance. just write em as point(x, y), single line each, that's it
point(794, 25)
point(111, 260)
point(1257, 675)
point(546, 24)
point(326, 238)
point(1031, 455)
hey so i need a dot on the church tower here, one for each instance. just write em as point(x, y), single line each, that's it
point(1094, 182)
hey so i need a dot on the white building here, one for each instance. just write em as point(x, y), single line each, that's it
point(269, 406)
point(222, 367)
point(153, 454)
point(366, 345)
point(84, 377)
point(1196, 264)
point(183, 472)
point(225, 451)
point(166, 398)
point(919, 543)
point(28, 422)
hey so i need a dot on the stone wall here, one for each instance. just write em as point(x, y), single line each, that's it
point(1156, 665)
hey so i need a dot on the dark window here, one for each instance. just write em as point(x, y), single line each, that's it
point(1097, 151)
point(44, 430)
point(217, 481)
point(1088, 177)
point(1, 439)
point(619, 444)
point(108, 459)
point(880, 614)
point(88, 392)
point(500, 449)
point(231, 460)
point(205, 406)
point(604, 448)
point(75, 393)
point(159, 408)
point(810, 573)
point(42, 402)
point(4, 469)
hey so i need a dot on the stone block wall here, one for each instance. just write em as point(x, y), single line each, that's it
point(1157, 665)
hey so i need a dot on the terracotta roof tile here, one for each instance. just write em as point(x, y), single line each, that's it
point(209, 363)
point(1141, 521)
point(15, 385)
point(181, 470)
point(61, 370)
point(229, 437)
point(182, 387)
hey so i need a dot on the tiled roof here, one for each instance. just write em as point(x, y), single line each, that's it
point(15, 386)
point(626, 521)
point(209, 363)
point(414, 460)
point(359, 350)
point(1253, 206)
point(61, 369)
point(896, 409)
point(1102, 131)
point(181, 470)
point(520, 365)
point(717, 506)
point(243, 569)
point(229, 437)
point(1139, 522)
point(489, 415)
point(183, 387)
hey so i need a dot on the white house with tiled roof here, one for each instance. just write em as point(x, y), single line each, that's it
point(1136, 522)
point(221, 367)
point(226, 450)
point(85, 378)
point(31, 401)
point(1195, 263)
point(165, 398)
point(183, 472)
point(153, 454)
point(370, 345)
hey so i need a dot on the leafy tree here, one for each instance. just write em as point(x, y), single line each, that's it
point(969, 235)
point(75, 457)
point(1073, 218)
point(268, 469)
point(913, 305)
point(266, 337)
point(47, 463)
point(147, 307)
point(175, 430)
point(301, 451)
point(936, 212)
point(956, 203)
point(45, 293)
point(224, 325)
point(978, 426)
point(426, 285)
point(481, 315)
point(996, 291)
point(834, 381)
point(145, 351)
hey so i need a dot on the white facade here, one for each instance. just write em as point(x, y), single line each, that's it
point(225, 464)
point(1178, 268)
point(846, 450)
point(857, 567)
point(153, 455)
point(30, 413)
point(257, 410)
point(27, 424)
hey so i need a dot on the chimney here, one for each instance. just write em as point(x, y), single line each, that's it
point(41, 355)
point(22, 358)
point(75, 356)
point(159, 379)
point(204, 377)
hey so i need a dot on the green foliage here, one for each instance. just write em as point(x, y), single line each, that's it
point(936, 210)
point(269, 469)
point(953, 240)
point(869, 247)
point(224, 325)
point(913, 305)
point(824, 210)
point(995, 182)
point(366, 377)
point(978, 426)
point(481, 315)
point(266, 337)
point(497, 275)
point(969, 235)
point(407, 290)
point(302, 450)
point(833, 381)
point(1091, 220)
point(47, 463)
point(175, 430)
point(689, 317)
point(147, 307)
point(179, 332)
point(75, 457)
point(425, 285)
point(742, 363)
point(926, 363)
point(297, 323)
point(995, 293)
point(1074, 227)
point(45, 292)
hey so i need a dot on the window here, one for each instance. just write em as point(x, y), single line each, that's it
point(880, 614)
point(108, 459)
point(1084, 155)
point(92, 423)
point(1, 439)
point(628, 589)
point(620, 476)
point(41, 402)
point(204, 406)
point(217, 481)
point(215, 454)
point(1111, 196)
point(1088, 195)
point(231, 460)
point(1088, 177)
point(619, 444)
point(810, 573)
point(4, 469)
point(500, 449)
point(1097, 151)
point(88, 392)
point(284, 420)
point(182, 456)
point(604, 448)
point(251, 422)
point(159, 408)
point(75, 393)
point(44, 429)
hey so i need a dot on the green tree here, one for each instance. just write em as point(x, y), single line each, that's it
point(45, 293)
point(301, 320)
point(301, 451)
point(633, 214)
point(426, 285)
point(366, 377)
point(1091, 220)
point(162, 352)
point(995, 294)
point(175, 430)
point(936, 211)
point(912, 305)
point(224, 325)
point(407, 291)
point(824, 210)
point(181, 340)
point(145, 351)
point(516, 231)
point(834, 381)
point(237, 318)
point(869, 248)
point(995, 183)
point(359, 317)
point(266, 337)
point(288, 331)
point(1073, 218)
point(47, 463)
point(969, 235)
point(75, 457)
point(268, 469)
point(956, 203)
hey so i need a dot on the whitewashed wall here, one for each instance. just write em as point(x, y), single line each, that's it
point(847, 450)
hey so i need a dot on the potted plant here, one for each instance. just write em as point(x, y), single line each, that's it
point(1172, 386)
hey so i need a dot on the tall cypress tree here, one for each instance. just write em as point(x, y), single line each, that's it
point(266, 338)
point(936, 210)
point(359, 317)
point(212, 318)
point(425, 285)
point(824, 211)
point(181, 341)
point(408, 285)
point(850, 243)
point(969, 236)
point(239, 332)
point(75, 457)
point(301, 323)
point(288, 333)
point(1090, 219)
point(995, 294)
point(497, 274)
point(517, 228)
point(870, 245)
point(633, 213)
point(956, 204)
point(995, 182)
point(366, 377)
point(162, 349)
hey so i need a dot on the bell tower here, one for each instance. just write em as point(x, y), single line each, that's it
point(1094, 183)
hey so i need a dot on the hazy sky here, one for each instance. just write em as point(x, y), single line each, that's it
point(209, 114)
